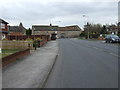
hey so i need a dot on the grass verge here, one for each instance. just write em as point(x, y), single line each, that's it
point(6, 52)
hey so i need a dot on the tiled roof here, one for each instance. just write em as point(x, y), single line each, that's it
point(70, 28)
point(14, 29)
point(55, 28)
point(16, 33)
point(17, 29)
point(113, 27)
point(44, 28)
point(3, 31)
point(2, 21)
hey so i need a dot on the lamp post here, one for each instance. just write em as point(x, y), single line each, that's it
point(87, 25)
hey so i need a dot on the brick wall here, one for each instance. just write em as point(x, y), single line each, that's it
point(13, 57)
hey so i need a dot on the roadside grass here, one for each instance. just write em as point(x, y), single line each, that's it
point(6, 52)
point(82, 38)
point(9, 50)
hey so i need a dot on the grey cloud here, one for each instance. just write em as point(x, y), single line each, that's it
point(34, 12)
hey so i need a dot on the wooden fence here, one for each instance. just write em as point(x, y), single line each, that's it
point(24, 37)
point(16, 45)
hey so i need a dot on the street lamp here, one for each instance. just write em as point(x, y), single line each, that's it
point(87, 25)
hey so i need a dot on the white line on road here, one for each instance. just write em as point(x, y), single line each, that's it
point(109, 53)
point(97, 48)
point(114, 54)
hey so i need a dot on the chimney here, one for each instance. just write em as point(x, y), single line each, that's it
point(20, 25)
point(50, 24)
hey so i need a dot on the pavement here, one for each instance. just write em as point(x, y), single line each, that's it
point(31, 71)
point(85, 64)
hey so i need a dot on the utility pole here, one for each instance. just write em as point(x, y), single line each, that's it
point(88, 28)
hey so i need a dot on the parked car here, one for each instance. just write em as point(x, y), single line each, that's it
point(112, 38)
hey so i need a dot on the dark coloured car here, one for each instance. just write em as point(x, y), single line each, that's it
point(112, 38)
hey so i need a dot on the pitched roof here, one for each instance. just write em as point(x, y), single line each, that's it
point(70, 28)
point(2, 21)
point(3, 31)
point(16, 33)
point(16, 28)
point(113, 27)
point(55, 28)
point(44, 28)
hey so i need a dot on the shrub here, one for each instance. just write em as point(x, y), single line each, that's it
point(38, 39)
point(29, 39)
point(4, 39)
point(35, 44)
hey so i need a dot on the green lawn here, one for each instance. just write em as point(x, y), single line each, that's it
point(9, 50)
point(6, 52)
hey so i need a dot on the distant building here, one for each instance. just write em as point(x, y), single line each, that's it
point(61, 32)
point(112, 29)
point(3, 29)
point(17, 30)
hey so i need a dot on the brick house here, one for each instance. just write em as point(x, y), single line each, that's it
point(69, 31)
point(3, 29)
point(17, 30)
point(61, 32)
point(113, 29)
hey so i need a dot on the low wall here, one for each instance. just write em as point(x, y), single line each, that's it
point(43, 42)
point(13, 57)
point(16, 45)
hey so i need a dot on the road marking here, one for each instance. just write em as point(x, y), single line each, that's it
point(114, 54)
point(106, 51)
point(97, 48)
point(102, 49)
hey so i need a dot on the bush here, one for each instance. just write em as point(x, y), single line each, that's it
point(29, 39)
point(94, 35)
point(35, 44)
point(118, 34)
point(38, 39)
point(4, 39)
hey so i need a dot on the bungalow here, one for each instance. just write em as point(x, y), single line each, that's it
point(61, 32)
point(3, 29)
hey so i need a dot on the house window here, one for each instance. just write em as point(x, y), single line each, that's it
point(2, 25)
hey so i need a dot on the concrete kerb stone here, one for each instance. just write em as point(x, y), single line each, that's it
point(48, 74)
point(42, 85)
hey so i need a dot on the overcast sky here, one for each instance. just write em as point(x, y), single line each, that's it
point(59, 12)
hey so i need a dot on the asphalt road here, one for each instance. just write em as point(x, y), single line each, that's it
point(85, 64)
